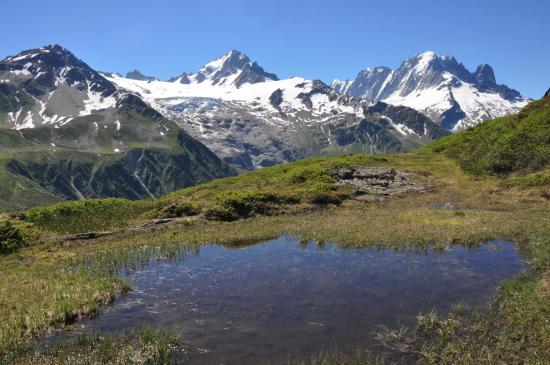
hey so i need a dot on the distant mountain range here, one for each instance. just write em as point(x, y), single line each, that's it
point(68, 131)
point(252, 119)
point(440, 87)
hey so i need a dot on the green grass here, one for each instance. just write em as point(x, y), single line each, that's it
point(513, 144)
point(146, 346)
point(87, 215)
point(513, 331)
point(339, 357)
point(50, 284)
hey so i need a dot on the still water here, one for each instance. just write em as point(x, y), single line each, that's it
point(269, 301)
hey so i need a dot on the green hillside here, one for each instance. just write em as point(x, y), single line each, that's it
point(130, 152)
point(515, 144)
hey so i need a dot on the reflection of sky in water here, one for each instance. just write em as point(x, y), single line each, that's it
point(268, 300)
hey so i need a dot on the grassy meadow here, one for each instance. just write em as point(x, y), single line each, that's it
point(47, 282)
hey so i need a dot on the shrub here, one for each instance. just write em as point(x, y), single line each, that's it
point(85, 215)
point(245, 204)
point(15, 234)
point(221, 214)
point(323, 198)
point(10, 238)
point(248, 203)
point(309, 175)
point(176, 210)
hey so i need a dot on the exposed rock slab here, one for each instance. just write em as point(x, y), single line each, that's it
point(86, 236)
point(156, 222)
point(377, 183)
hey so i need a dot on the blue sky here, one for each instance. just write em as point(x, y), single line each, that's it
point(314, 39)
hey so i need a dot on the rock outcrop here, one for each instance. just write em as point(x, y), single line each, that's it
point(377, 183)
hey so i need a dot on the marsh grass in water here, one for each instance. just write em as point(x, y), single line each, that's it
point(339, 357)
point(145, 346)
point(511, 331)
point(57, 290)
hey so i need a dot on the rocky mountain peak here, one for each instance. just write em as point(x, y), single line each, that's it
point(485, 75)
point(230, 62)
point(51, 55)
point(430, 66)
point(137, 75)
point(439, 86)
point(42, 69)
point(233, 68)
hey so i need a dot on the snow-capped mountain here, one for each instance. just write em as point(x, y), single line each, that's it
point(50, 86)
point(232, 69)
point(438, 86)
point(252, 119)
point(66, 132)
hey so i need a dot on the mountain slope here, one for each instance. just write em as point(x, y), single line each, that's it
point(440, 87)
point(69, 133)
point(517, 143)
point(252, 119)
point(143, 155)
point(50, 86)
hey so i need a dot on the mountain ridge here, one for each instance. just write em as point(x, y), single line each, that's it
point(248, 117)
point(253, 119)
point(440, 87)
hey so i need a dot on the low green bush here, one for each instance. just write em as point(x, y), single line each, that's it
point(221, 214)
point(176, 210)
point(87, 215)
point(15, 235)
point(10, 238)
point(300, 175)
point(324, 198)
point(234, 205)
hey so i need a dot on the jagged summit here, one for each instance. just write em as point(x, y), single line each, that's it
point(439, 86)
point(231, 61)
point(43, 69)
point(137, 75)
point(485, 75)
point(50, 85)
point(233, 68)
point(55, 49)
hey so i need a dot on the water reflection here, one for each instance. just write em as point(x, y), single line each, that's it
point(271, 300)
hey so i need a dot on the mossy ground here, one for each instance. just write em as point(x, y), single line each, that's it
point(51, 284)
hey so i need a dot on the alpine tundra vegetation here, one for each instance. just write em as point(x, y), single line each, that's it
point(61, 262)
